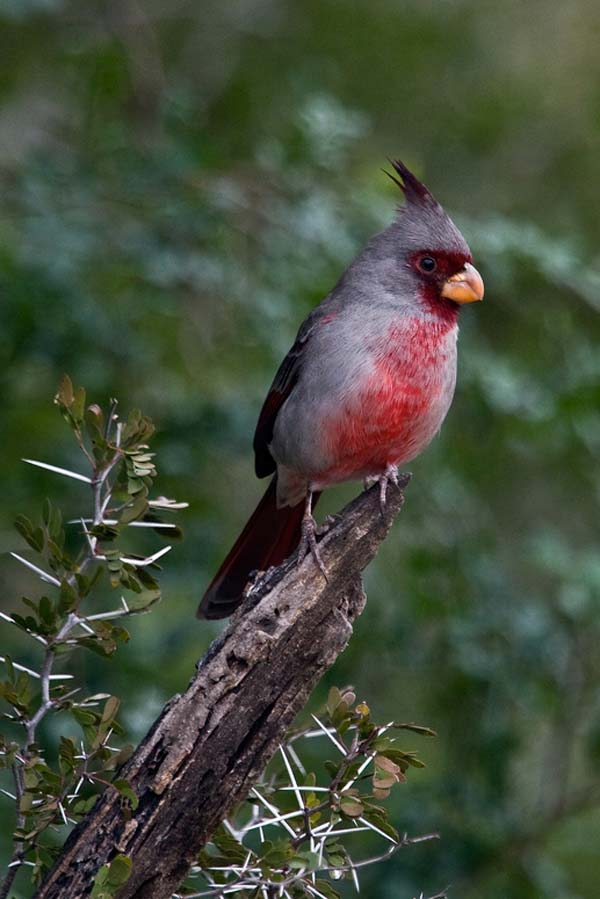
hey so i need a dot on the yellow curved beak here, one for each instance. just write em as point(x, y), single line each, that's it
point(465, 286)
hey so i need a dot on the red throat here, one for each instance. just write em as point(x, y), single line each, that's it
point(446, 311)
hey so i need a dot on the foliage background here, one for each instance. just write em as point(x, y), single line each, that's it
point(180, 184)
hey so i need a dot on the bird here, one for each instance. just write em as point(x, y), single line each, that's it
point(364, 388)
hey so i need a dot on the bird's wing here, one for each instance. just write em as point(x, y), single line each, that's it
point(282, 386)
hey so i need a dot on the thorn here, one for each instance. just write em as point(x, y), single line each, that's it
point(381, 833)
point(139, 563)
point(48, 578)
point(328, 733)
point(58, 470)
point(131, 524)
point(166, 504)
point(35, 674)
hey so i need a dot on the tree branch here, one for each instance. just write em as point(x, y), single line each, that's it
point(210, 744)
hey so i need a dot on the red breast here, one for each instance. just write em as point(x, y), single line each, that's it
point(399, 407)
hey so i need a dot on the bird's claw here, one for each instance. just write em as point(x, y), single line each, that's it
point(390, 474)
point(308, 543)
point(327, 524)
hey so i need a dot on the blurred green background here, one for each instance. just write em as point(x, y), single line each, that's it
point(180, 184)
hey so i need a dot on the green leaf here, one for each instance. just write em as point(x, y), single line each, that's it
point(312, 860)
point(137, 430)
point(275, 854)
point(9, 667)
point(47, 613)
point(52, 517)
point(119, 758)
point(24, 526)
point(56, 551)
point(103, 648)
point(341, 716)
point(68, 597)
point(78, 405)
point(147, 579)
point(70, 402)
point(135, 510)
point(31, 778)
point(332, 768)
point(111, 877)
point(334, 698)
point(94, 419)
point(32, 535)
point(111, 707)
point(119, 870)
point(26, 802)
point(23, 689)
point(417, 729)
point(86, 584)
point(64, 394)
point(387, 765)
point(83, 717)
point(50, 780)
point(403, 759)
point(229, 846)
point(351, 807)
point(26, 623)
point(124, 788)
point(66, 755)
point(135, 485)
point(413, 761)
point(120, 633)
point(82, 806)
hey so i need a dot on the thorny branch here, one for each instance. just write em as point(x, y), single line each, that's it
point(325, 851)
point(209, 745)
point(101, 498)
point(75, 625)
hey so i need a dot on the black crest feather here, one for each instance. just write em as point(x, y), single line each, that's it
point(413, 189)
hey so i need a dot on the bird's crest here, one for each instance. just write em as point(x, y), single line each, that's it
point(414, 190)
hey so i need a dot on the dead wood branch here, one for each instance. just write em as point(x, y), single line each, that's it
point(210, 744)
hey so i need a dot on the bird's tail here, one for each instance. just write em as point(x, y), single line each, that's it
point(270, 536)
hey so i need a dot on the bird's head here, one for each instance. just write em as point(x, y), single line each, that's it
point(422, 256)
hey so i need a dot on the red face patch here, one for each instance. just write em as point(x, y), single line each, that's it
point(433, 268)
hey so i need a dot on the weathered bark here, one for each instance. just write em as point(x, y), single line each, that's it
point(211, 743)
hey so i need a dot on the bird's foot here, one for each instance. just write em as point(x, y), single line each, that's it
point(308, 542)
point(390, 475)
point(327, 524)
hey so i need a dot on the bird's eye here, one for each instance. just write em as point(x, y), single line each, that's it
point(427, 264)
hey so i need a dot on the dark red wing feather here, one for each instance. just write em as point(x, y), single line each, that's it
point(271, 534)
point(282, 386)
point(264, 462)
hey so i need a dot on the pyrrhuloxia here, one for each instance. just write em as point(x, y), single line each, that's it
point(365, 387)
